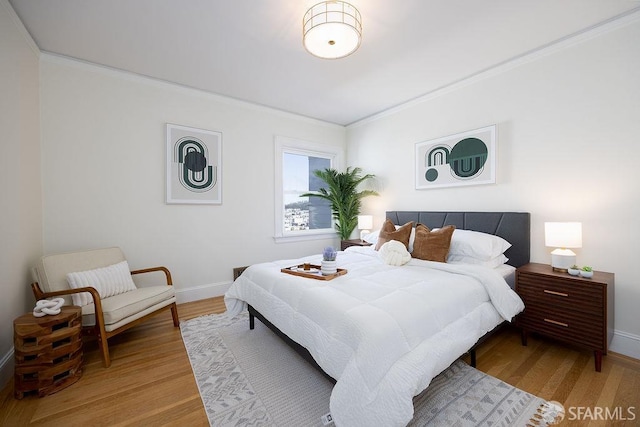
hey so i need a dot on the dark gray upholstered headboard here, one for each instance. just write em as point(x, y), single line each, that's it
point(514, 227)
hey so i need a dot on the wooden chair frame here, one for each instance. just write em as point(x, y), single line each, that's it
point(99, 328)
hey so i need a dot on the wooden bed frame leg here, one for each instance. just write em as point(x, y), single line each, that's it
point(472, 354)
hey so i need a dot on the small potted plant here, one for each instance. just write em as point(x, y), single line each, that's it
point(329, 264)
point(586, 271)
point(574, 270)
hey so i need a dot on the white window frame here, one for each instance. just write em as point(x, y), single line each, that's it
point(297, 146)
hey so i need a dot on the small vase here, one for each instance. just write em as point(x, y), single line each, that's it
point(328, 267)
point(573, 271)
point(586, 274)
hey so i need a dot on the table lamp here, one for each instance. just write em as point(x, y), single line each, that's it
point(365, 224)
point(562, 236)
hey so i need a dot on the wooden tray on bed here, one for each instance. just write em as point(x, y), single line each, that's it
point(313, 272)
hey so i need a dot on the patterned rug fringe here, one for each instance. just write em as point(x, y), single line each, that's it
point(547, 414)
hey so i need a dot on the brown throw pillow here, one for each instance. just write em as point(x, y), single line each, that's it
point(432, 245)
point(389, 232)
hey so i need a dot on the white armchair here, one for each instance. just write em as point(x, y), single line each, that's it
point(103, 316)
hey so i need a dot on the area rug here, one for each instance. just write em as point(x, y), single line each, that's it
point(252, 378)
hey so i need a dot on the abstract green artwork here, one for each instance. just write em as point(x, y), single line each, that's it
point(466, 158)
point(193, 165)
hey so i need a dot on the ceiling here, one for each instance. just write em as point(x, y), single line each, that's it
point(252, 50)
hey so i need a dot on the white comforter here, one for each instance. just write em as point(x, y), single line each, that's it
point(383, 332)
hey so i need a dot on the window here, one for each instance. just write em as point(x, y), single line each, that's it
point(299, 218)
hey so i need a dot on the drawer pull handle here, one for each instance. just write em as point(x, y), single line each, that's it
point(566, 325)
point(560, 294)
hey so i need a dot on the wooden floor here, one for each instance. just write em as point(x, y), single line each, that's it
point(150, 380)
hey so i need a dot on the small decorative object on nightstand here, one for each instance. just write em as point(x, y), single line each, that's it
point(586, 272)
point(574, 270)
point(354, 242)
point(572, 309)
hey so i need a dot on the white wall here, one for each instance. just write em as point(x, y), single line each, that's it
point(20, 192)
point(103, 139)
point(568, 149)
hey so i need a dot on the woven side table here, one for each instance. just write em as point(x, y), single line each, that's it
point(48, 352)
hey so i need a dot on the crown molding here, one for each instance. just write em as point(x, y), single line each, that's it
point(20, 27)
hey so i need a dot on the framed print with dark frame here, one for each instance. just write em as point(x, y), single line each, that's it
point(467, 158)
point(194, 163)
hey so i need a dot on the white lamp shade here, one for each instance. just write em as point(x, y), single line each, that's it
point(332, 29)
point(563, 234)
point(365, 222)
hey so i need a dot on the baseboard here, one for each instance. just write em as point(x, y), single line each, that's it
point(7, 364)
point(202, 292)
point(625, 343)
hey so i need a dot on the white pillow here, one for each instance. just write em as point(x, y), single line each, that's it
point(371, 237)
point(492, 263)
point(482, 246)
point(108, 281)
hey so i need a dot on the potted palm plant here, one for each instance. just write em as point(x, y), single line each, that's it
point(343, 195)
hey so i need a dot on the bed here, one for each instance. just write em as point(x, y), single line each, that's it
point(383, 332)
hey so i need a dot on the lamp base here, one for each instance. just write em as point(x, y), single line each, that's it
point(562, 259)
point(363, 233)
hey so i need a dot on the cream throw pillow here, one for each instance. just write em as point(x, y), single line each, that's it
point(108, 281)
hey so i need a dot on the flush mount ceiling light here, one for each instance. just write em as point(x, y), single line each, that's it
point(332, 29)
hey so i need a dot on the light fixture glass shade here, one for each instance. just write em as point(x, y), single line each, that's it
point(365, 224)
point(563, 235)
point(332, 29)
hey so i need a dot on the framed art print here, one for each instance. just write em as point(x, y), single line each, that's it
point(467, 158)
point(194, 161)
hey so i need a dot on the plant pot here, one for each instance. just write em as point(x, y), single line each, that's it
point(573, 271)
point(328, 267)
point(586, 274)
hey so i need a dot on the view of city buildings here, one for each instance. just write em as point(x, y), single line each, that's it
point(296, 217)
point(307, 215)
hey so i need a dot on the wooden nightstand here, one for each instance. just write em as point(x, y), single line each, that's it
point(344, 244)
point(568, 308)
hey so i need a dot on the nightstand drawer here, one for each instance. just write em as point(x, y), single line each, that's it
point(571, 326)
point(559, 295)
